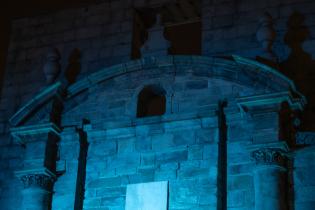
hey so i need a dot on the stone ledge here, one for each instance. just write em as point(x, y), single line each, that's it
point(23, 134)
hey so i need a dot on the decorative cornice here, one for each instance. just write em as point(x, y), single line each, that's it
point(271, 99)
point(269, 156)
point(26, 134)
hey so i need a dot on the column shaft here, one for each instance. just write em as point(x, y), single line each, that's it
point(270, 178)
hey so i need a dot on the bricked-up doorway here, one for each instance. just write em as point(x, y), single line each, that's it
point(182, 27)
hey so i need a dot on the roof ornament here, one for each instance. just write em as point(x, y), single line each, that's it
point(156, 44)
point(266, 36)
point(51, 67)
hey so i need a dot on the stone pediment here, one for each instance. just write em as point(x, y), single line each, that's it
point(36, 105)
point(232, 69)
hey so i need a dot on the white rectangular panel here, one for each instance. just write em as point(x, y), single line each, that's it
point(147, 196)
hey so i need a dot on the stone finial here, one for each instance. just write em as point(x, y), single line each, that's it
point(156, 43)
point(51, 67)
point(266, 36)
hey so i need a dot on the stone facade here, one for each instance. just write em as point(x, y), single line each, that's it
point(232, 133)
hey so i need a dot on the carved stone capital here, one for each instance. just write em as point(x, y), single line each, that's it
point(269, 156)
point(38, 181)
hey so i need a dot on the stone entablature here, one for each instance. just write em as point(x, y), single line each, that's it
point(26, 134)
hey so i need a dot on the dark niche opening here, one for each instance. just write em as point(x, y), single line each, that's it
point(182, 21)
point(151, 101)
point(185, 38)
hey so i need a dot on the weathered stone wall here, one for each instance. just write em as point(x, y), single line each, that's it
point(303, 182)
point(175, 151)
point(186, 155)
point(103, 34)
point(11, 157)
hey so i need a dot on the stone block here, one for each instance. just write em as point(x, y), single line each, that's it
point(143, 176)
point(147, 160)
point(163, 175)
point(162, 142)
point(195, 152)
point(120, 132)
point(171, 156)
point(236, 199)
point(143, 143)
point(101, 149)
point(124, 170)
point(210, 151)
point(303, 176)
point(149, 129)
point(184, 138)
point(169, 166)
point(207, 135)
point(304, 194)
point(304, 205)
point(112, 201)
point(183, 194)
point(129, 160)
point(193, 172)
point(196, 85)
point(92, 202)
point(240, 182)
point(105, 182)
point(126, 145)
point(239, 169)
point(181, 125)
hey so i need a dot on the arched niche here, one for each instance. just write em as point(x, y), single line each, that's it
point(151, 101)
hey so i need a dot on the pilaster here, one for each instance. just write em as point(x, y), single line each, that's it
point(38, 188)
point(40, 143)
point(270, 177)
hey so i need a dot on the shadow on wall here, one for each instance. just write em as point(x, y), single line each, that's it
point(74, 66)
point(299, 66)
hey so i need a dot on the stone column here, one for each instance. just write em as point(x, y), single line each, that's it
point(37, 191)
point(40, 143)
point(270, 179)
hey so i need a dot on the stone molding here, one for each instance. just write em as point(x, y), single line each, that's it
point(37, 180)
point(275, 99)
point(269, 156)
point(234, 68)
point(42, 97)
point(25, 134)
